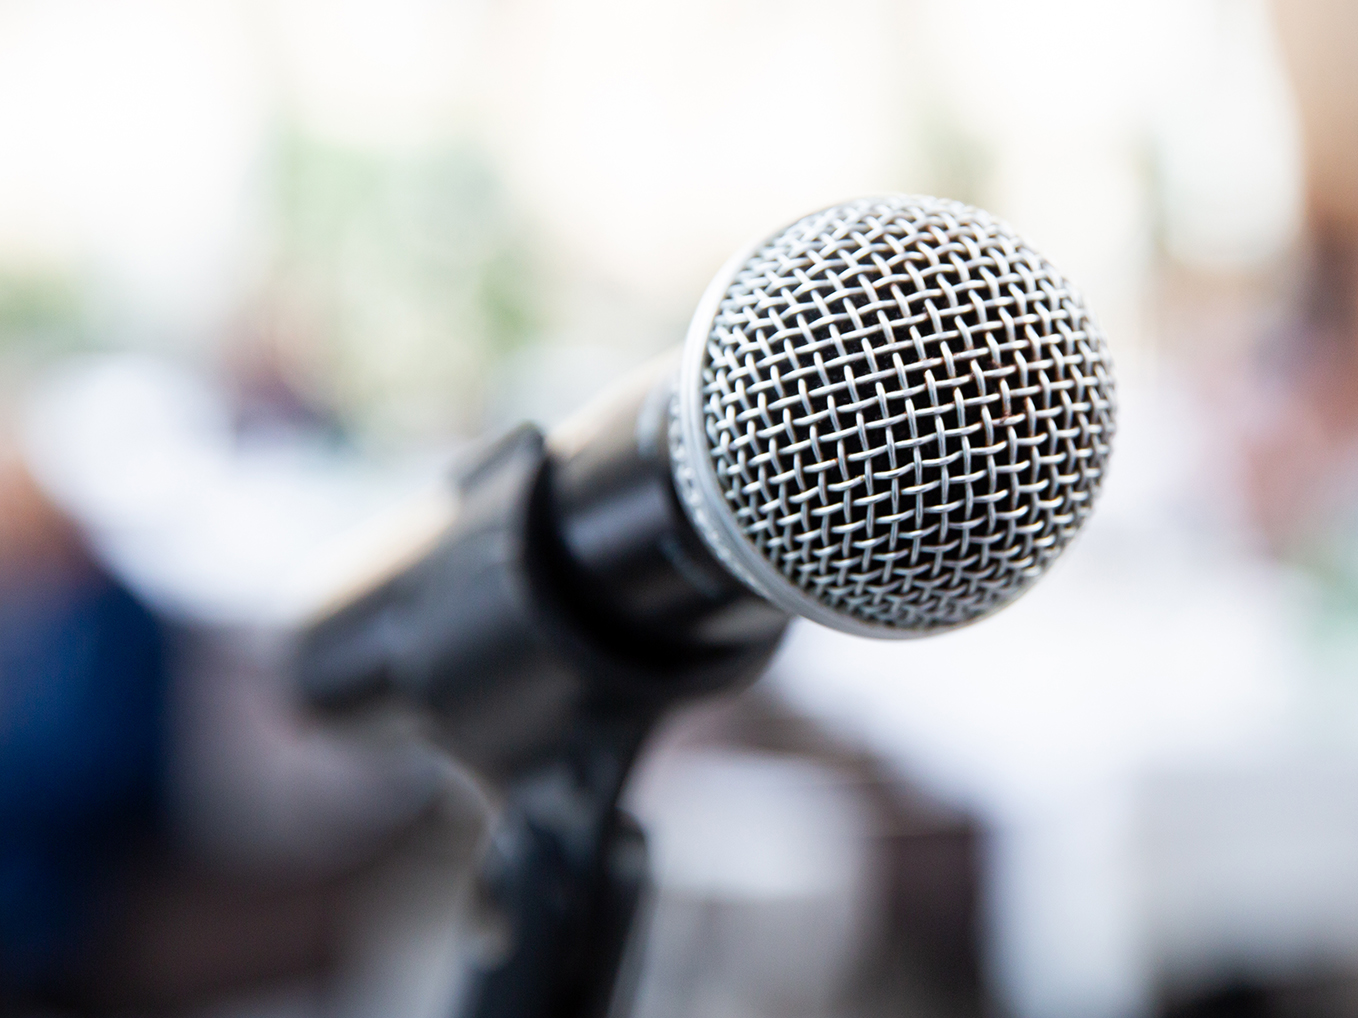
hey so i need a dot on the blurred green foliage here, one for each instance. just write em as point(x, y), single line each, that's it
point(41, 313)
point(400, 279)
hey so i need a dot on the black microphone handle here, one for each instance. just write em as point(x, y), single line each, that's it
point(569, 588)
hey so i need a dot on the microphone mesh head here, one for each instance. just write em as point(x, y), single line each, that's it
point(894, 415)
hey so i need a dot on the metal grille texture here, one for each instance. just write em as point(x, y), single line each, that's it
point(909, 410)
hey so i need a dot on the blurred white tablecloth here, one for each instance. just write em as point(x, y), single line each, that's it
point(1164, 759)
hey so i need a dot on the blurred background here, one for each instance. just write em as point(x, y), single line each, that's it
point(266, 266)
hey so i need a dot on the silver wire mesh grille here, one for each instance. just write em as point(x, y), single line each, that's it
point(908, 409)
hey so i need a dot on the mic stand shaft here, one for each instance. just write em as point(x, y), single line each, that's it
point(564, 875)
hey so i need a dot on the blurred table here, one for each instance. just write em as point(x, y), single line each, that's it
point(1159, 741)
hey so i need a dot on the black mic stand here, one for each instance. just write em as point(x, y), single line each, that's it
point(565, 873)
point(566, 608)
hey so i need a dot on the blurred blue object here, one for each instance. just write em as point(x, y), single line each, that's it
point(82, 752)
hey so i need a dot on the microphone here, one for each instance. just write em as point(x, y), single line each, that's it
point(889, 417)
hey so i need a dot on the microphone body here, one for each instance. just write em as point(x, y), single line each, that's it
point(568, 591)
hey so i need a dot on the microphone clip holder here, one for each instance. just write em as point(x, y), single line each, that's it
point(489, 638)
